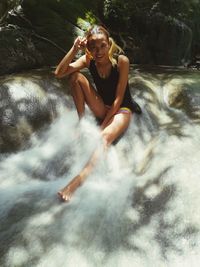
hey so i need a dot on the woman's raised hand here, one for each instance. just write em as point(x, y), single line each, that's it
point(80, 43)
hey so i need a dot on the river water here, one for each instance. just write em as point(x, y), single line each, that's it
point(140, 206)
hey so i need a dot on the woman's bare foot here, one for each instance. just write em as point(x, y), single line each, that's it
point(66, 193)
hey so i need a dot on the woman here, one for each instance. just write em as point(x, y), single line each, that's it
point(110, 101)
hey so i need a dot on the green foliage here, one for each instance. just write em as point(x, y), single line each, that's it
point(87, 22)
point(91, 18)
point(83, 24)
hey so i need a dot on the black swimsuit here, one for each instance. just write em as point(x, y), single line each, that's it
point(106, 88)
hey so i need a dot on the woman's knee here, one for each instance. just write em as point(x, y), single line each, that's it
point(116, 129)
point(75, 77)
point(107, 139)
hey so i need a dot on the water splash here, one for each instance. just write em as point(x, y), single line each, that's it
point(140, 206)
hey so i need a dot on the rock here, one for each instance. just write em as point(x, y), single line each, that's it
point(182, 92)
point(28, 102)
point(33, 37)
point(168, 41)
point(18, 51)
point(38, 33)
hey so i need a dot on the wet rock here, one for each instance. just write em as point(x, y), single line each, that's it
point(33, 37)
point(182, 92)
point(28, 102)
point(167, 41)
point(18, 50)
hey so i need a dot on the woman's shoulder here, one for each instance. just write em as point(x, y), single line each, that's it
point(122, 63)
point(123, 59)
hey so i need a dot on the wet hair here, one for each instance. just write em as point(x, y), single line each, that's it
point(114, 48)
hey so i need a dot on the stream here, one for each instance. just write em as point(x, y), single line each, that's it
point(139, 207)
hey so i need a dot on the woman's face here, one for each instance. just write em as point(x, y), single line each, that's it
point(99, 46)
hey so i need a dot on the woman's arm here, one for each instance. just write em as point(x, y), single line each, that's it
point(65, 67)
point(123, 67)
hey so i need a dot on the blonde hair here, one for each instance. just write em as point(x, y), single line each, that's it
point(114, 48)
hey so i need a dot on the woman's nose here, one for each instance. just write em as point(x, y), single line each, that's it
point(98, 49)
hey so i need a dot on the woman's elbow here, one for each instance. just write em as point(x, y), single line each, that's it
point(59, 74)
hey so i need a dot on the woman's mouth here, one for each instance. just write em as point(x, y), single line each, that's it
point(99, 56)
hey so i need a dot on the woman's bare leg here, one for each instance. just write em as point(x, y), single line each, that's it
point(113, 130)
point(83, 92)
point(66, 193)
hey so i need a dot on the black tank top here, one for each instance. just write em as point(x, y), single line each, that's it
point(106, 88)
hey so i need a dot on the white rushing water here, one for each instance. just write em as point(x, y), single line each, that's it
point(139, 208)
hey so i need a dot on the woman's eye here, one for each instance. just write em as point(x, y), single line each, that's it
point(95, 48)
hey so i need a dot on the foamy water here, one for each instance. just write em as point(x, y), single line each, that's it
point(139, 208)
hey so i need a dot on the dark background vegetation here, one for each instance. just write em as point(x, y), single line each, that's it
point(36, 33)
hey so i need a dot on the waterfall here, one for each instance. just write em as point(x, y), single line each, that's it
point(139, 207)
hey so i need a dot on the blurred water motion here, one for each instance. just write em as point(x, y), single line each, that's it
point(140, 207)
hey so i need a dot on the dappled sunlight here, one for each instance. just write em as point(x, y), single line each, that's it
point(25, 87)
point(140, 205)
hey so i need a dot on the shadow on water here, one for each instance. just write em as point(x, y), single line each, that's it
point(36, 224)
point(167, 234)
point(118, 217)
point(17, 219)
point(171, 94)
